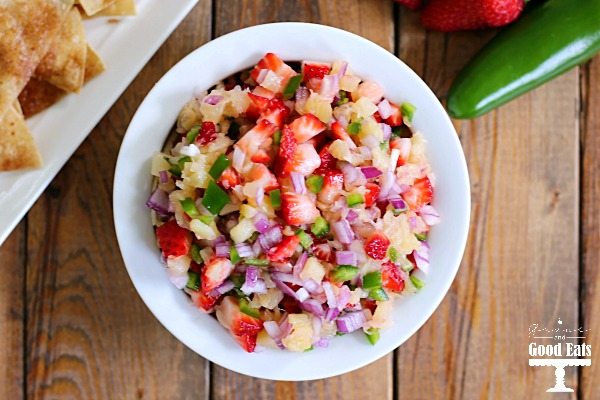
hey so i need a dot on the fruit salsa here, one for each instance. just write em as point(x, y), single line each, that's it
point(295, 204)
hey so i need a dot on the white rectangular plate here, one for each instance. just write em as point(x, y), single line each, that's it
point(125, 46)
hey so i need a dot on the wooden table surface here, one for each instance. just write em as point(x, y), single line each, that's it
point(72, 325)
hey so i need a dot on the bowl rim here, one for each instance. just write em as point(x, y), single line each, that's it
point(460, 239)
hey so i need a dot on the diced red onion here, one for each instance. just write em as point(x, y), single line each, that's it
point(331, 299)
point(238, 159)
point(394, 156)
point(312, 306)
point(256, 248)
point(302, 94)
point(177, 279)
point(300, 264)
point(342, 69)
point(284, 288)
point(412, 222)
point(385, 109)
point(225, 287)
point(429, 215)
point(270, 238)
point(332, 313)
point(397, 203)
point(387, 131)
point(343, 297)
point(330, 86)
point(351, 321)
point(312, 286)
point(163, 176)
point(343, 121)
point(262, 74)
point(260, 195)
point(222, 250)
point(322, 343)
point(302, 294)
point(251, 275)
point(359, 249)
point(258, 287)
point(261, 223)
point(284, 277)
point(284, 267)
point(298, 182)
point(351, 216)
point(343, 231)
point(244, 250)
point(346, 257)
point(386, 184)
point(316, 326)
point(421, 256)
point(213, 99)
point(159, 202)
point(220, 240)
point(351, 173)
point(275, 332)
point(370, 172)
point(365, 152)
point(371, 141)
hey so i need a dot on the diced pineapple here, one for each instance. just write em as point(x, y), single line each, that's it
point(212, 113)
point(159, 164)
point(417, 150)
point(363, 108)
point(247, 211)
point(349, 83)
point(382, 318)
point(370, 127)
point(263, 339)
point(242, 231)
point(340, 150)
point(204, 231)
point(313, 270)
point(300, 337)
point(195, 173)
point(397, 229)
point(320, 107)
point(189, 116)
point(370, 90)
point(269, 300)
point(237, 102)
point(272, 82)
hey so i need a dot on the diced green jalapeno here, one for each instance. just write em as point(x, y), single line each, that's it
point(354, 128)
point(215, 198)
point(354, 199)
point(291, 87)
point(193, 134)
point(393, 254)
point(408, 111)
point(344, 273)
point(193, 281)
point(314, 183)
point(189, 207)
point(195, 253)
point(219, 166)
point(261, 262)
point(305, 240)
point(275, 197)
point(277, 137)
point(417, 282)
point(372, 335)
point(234, 255)
point(421, 236)
point(372, 280)
point(378, 294)
point(320, 227)
point(246, 309)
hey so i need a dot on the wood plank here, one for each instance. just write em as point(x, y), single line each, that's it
point(12, 276)
point(520, 265)
point(374, 20)
point(590, 221)
point(89, 335)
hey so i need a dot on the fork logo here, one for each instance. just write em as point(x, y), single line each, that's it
point(562, 339)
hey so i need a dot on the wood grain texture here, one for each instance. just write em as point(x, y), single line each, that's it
point(590, 224)
point(520, 265)
point(12, 277)
point(374, 20)
point(88, 333)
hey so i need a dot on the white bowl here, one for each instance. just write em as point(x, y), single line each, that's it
point(200, 70)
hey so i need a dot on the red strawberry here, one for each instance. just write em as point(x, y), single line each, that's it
point(208, 133)
point(214, 273)
point(242, 327)
point(261, 156)
point(173, 240)
point(290, 305)
point(273, 63)
point(327, 161)
point(256, 137)
point(306, 126)
point(284, 250)
point(287, 148)
point(261, 172)
point(298, 209)
point(204, 301)
point(371, 193)
point(501, 12)
point(339, 132)
point(404, 145)
point(314, 70)
point(391, 278)
point(369, 304)
point(376, 246)
point(258, 104)
point(276, 112)
point(229, 178)
point(453, 15)
point(262, 92)
point(333, 183)
point(419, 194)
point(396, 118)
point(322, 251)
point(305, 159)
point(410, 4)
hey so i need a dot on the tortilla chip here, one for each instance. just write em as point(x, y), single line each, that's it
point(120, 8)
point(91, 7)
point(39, 94)
point(28, 28)
point(64, 64)
point(17, 148)
point(93, 64)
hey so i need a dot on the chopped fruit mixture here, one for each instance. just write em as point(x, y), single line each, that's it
point(295, 204)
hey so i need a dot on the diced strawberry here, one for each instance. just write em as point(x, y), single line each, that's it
point(377, 116)
point(273, 63)
point(255, 137)
point(242, 327)
point(287, 148)
point(333, 183)
point(204, 301)
point(214, 273)
point(327, 161)
point(276, 112)
point(262, 172)
point(339, 132)
point(419, 194)
point(208, 133)
point(290, 305)
point(312, 69)
point(404, 145)
point(257, 105)
point(377, 245)
point(298, 209)
point(396, 118)
point(322, 251)
point(261, 156)
point(173, 240)
point(284, 250)
point(391, 278)
point(305, 159)
point(371, 193)
point(306, 127)
point(229, 178)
